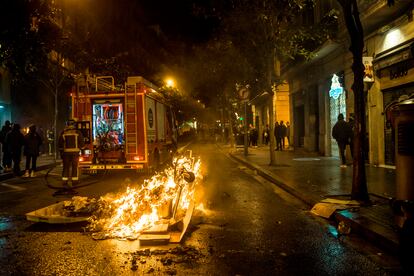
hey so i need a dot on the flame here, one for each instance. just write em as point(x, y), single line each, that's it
point(164, 198)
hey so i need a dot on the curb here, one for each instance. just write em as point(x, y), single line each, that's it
point(363, 226)
point(276, 180)
point(369, 230)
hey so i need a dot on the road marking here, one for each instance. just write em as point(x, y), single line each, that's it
point(14, 187)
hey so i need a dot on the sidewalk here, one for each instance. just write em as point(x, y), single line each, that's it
point(312, 178)
point(43, 162)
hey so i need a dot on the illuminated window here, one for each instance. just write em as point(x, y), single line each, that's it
point(336, 88)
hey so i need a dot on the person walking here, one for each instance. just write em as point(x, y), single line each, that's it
point(15, 142)
point(282, 134)
point(266, 135)
point(277, 136)
point(342, 132)
point(255, 136)
point(288, 133)
point(70, 143)
point(7, 158)
point(351, 138)
point(32, 143)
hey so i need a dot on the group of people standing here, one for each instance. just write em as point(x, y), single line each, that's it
point(281, 132)
point(13, 142)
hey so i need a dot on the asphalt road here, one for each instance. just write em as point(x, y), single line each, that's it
point(248, 227)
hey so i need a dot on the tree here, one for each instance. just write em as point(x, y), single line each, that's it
point(356, 34)
point(262, 30)
point(185, 106)
point(25, 33)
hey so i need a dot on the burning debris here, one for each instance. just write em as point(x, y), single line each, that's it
point(162, 205)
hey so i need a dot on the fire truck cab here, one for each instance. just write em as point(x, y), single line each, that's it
point(125, 127)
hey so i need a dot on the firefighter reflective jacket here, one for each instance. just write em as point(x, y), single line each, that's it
point(70, 141)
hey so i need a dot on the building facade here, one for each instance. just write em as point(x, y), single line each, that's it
point(321, 88)
point(260, 110)
point(5, 97)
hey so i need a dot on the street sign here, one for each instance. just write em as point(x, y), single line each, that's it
point(244, 94)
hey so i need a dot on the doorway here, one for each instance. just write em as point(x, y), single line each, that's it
point(299, 116)
point(337, 105)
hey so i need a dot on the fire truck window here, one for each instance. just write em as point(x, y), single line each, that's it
point(108, 125)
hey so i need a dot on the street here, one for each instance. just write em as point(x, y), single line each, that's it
point(246, 227)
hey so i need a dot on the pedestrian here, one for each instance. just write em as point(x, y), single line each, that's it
point(282, 127)
point(351, 138)
point(70, 143)
point(266, 133)
point(342, 132)
point(7, 158)
point(15, 142)
point(32, 143)
point(288, 133)
point(277, 136)
point(255, 136)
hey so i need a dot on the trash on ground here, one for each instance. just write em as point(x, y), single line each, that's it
point(326, 210)
point(340, 201)
point(60, 212)
point(344, 228)
point(328, 206)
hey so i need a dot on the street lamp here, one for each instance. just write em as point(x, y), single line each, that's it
point(169, 82)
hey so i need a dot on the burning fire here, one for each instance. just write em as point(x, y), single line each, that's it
point(162, 199)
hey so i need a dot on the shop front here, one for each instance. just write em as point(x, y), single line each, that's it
point(337, 105)
point(395, 69)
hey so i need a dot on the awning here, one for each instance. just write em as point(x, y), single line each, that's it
point(394, 55)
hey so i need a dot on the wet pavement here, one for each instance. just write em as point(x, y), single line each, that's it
point(43, 162)
point(313, 178)
point(247, 227)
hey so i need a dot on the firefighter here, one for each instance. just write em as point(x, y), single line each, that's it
point(70, 143)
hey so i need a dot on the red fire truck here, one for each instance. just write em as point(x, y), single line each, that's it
point(125, 127)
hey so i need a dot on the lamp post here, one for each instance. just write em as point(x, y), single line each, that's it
point(246, 146)
point(244, 94)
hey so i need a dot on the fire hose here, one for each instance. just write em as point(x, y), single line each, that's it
point(77, 186)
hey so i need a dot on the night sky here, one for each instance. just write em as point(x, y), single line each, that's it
point(150, 38)
point(121, 25)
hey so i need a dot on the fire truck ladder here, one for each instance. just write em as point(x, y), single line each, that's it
point(131, 119)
